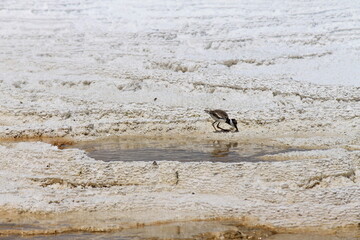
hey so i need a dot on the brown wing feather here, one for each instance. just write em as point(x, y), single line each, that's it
point(219, 113)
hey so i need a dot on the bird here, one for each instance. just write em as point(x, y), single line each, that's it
point(221, 116)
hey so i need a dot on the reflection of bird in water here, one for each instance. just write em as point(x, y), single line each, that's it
point(221, 116)
point(220, 149)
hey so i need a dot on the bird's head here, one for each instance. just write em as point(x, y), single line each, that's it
point(233, 123)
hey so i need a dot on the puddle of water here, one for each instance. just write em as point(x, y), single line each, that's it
point(189, 150)
point(12, 226)
point(180, 230)
point(204, 230)
point(309, 237)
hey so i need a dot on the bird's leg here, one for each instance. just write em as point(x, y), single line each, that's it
point(218, 125)
point(214, 126)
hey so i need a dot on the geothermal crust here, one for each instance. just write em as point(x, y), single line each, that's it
point(72, 72)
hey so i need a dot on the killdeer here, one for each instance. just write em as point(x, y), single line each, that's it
point(221, 116)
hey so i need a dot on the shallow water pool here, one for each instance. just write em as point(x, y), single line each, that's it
point(172, 149)
point(202, 230)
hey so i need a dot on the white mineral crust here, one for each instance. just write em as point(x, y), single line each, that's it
point(288, 71)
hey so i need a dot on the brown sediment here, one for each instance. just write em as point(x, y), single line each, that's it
point(60, 142)
point(234, 229)
point(18, 222)
point(237, 229)
point(45, 182)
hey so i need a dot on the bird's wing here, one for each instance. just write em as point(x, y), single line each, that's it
point(220, 114)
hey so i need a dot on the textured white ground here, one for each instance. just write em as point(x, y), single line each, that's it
point(287, 70)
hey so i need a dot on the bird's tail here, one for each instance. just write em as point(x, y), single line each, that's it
point(207, 110)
